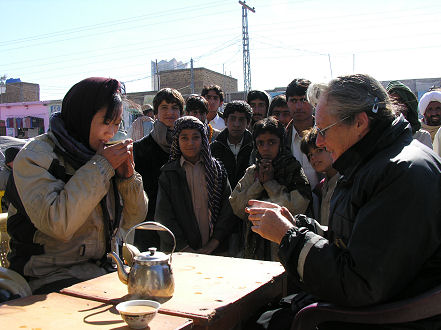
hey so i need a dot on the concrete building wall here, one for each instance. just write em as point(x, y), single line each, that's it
point(20, 92)
point(418, 86)
point(181, 80)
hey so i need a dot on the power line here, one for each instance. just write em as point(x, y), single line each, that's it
point(168, 13)
point(106, 32)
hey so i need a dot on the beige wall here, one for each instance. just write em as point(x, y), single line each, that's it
point(181, 80)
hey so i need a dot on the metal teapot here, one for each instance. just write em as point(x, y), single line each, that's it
point(150, 276)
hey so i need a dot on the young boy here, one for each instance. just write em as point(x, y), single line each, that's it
point(193, 193)
point(234, 144)
point(215, 97)
point(233, 148)
point(321, 161)
point(279, 109)
point(153, 151)
point(197, 106)
point(259, 102)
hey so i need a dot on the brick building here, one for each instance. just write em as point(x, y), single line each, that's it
point(181, 80)
point(20, 92)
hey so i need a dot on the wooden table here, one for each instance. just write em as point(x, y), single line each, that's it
point(58, 311)
point(216, 292)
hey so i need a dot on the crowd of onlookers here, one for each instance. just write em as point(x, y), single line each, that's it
point(337, 181)
point(269, 152)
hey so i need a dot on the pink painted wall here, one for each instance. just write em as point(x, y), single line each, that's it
point(23, 109)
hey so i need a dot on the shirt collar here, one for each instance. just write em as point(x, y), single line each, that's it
point(183, 161)
point(235, 145)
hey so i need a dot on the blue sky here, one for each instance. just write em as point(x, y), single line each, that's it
point(58, 43)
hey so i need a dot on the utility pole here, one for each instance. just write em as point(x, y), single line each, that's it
point(192, 76)
point(246, 48)
point(2, 87)
point(353, 63)
point(330, 65)
point(157, 75)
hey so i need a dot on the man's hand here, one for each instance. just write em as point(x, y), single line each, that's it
point(269, 220)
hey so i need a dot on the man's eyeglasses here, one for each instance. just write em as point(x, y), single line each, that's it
point(322, 131)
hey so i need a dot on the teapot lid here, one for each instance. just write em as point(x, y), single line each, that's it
point(152, 257)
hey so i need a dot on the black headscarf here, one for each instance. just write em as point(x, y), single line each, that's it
point(84, 100)
point(71, 127)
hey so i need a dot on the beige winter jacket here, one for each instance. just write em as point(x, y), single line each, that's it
point(68, 217)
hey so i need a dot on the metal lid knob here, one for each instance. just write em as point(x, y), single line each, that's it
point(152, 251)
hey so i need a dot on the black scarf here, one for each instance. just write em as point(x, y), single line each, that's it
point(74, 151)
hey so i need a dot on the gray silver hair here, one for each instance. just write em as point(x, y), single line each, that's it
point(350, 95)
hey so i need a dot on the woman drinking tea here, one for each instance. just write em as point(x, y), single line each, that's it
point(73, 191)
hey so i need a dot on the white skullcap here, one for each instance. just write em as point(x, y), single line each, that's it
point(427, 98)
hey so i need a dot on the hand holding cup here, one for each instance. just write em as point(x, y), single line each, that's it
point(270, 220)
point(120, 155)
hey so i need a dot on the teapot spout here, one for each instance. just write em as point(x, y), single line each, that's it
point(122, 274)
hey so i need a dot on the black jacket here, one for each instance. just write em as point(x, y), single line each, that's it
point(384, 233)
point(149, 158)
point(222, 152)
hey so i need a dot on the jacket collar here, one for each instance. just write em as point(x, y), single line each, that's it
point(223, 136)
point(378, 138)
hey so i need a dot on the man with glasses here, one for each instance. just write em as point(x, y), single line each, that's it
point(215, 98)
point(383, 241)
point(302, 120)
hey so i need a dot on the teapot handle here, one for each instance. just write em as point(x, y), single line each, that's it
point(152, 225)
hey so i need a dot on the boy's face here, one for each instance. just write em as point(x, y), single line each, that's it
point(299, 107)
point(213, 100)
point(168, 113)
point(268, 145)
point(202, 116)
point(236, 123)
point(190, 144)
point(319, 159)
point(282, 114)
point(259, 109)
